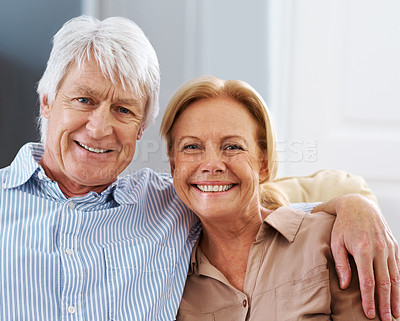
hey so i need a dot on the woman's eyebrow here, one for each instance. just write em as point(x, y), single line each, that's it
point(179, 141)
point(186, 137)
point(234, 137)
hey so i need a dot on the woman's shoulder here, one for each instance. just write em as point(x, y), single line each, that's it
point(318, 222)
point(298, 226)
point(302, 239)
point(315, 232)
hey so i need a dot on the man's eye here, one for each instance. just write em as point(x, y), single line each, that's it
point(84, 100)
point(124, 110)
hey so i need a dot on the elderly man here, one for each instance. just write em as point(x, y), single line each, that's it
point(77, 241)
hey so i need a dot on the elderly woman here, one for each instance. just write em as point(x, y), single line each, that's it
point(251, 262)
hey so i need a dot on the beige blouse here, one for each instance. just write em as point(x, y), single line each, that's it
point(290, 276)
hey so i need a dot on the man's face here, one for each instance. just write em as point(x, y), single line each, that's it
point(92, 131)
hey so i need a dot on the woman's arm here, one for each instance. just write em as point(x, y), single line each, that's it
point(361, 231)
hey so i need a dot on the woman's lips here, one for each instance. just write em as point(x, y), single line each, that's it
point(213, 188)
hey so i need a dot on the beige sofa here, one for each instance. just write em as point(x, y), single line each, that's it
point(322, 186)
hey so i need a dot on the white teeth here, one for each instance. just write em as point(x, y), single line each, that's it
point(93, 150)
point(214, 188)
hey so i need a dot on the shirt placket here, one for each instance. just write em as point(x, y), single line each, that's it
point(71, 264)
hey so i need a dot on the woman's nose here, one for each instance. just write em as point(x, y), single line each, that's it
point(100, 122)
point(212, 163)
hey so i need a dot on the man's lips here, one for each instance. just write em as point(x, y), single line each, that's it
point(93, 149)
point(214, 188)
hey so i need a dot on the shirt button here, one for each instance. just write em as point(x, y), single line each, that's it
point(245, 303)
point(71, 205)
point(71, 309)
point(69, 251)
point(40, 175)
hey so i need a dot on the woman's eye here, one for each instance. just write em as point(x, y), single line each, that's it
point(190, 147)
point(234, 147)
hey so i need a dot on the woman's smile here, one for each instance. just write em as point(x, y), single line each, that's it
point(216, 155)
point(213, 188)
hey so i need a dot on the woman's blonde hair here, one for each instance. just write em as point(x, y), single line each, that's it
point(209, 87)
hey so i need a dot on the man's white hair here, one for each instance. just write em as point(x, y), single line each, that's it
point(121, 50)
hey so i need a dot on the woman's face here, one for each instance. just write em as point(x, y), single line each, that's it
point(215, 160)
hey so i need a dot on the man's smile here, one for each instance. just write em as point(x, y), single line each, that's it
point(92, 149)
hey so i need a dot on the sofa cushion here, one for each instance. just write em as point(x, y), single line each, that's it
point(323, 186)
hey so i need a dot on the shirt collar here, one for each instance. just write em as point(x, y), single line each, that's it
point(123, 192)
point(26, 165)
point(285, 220)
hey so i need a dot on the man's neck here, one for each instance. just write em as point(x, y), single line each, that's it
point(70, 188)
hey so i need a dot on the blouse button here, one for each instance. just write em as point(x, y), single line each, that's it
point(244, 303)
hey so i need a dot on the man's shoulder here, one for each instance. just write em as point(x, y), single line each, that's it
point(3, 172)
point(23, 166)
point(147, 182)
point(146, 177)
point(156, 194)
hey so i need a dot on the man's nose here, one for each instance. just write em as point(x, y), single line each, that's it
point(100, 122)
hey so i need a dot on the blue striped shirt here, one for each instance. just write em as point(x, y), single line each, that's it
point(119, 255)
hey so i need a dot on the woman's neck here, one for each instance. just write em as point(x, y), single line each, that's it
point(227, 244)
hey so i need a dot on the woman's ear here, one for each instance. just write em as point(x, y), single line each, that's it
point(171, 164)
point(44, 107)
point(264, 171)
point(171, 158)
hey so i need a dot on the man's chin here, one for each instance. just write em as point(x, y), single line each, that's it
point(96, 177)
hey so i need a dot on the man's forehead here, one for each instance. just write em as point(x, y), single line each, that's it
point(94, 83)
point(89, 80)
point(97, 91)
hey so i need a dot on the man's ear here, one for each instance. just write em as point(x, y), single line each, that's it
point(44, 107)
point(140, 133)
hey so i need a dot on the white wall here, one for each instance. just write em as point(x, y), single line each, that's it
point(329, 71)
point(337, 84)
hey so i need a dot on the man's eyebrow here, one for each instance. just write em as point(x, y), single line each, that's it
point(85, 90)
point(129, 101)
point(82, 89)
